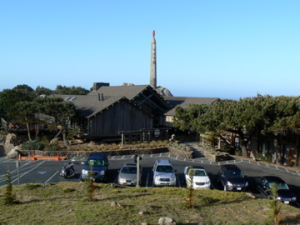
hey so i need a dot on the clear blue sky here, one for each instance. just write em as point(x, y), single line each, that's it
point(213, 48)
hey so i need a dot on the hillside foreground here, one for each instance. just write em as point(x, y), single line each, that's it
point(66, 203)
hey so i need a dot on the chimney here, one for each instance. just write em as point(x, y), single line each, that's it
point(97, 85)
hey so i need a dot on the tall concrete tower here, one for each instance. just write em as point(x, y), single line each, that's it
point(153, 62)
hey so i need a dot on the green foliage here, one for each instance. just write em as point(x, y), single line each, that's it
point(44, 140)
point(9, 198)
point(90, 184)
point(10, 97)
point(64, 90)
point(247, 116)
point(53, 147)
point(43, 91)
point(32, 145)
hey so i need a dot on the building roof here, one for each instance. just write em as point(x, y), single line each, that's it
point(91, 104)
point(185, 102)
point(127, 91)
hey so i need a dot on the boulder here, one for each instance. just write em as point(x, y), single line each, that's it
point(54, 141)
point(92, 143)
point(14, 153)
point(8, 146)
point(166, 221)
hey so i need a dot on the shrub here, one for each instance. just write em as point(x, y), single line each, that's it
point(9, 196)
point(53, 147)
point(32, 145)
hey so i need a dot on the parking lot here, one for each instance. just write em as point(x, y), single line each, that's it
point(48, 171)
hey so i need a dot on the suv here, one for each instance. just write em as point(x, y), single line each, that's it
point(163, 173)
point(99, 162)
point(232, 178)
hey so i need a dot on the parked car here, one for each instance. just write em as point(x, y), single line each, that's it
point(99, 164)
point(199, 177)
point(163, 173)
point(232, 178)
point(128, 174)
point(285, 195)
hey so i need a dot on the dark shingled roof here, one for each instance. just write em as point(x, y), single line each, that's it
point(127, 91)
point(184, 102)
point(91, 104)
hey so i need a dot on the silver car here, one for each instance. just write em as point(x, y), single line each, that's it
point(163, 173)
point(128, 174)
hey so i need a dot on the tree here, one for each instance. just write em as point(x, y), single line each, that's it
point(64, 90)
point(9, 98)
point(25, 112)
point(61, 111)
point(283, 117)
point(186, 118)
point(9, 198)
point(43, 91)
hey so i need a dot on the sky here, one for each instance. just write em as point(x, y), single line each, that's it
point(229, 49)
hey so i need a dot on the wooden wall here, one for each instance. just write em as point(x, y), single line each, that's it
point(121, 116)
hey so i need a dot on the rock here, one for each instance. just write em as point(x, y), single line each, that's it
point(8, 146)
point(114, 204)
point(54, 141)
point(144, 223)
point(92, 143)
point(142, 213)
point(14, 153)
point(250, 195)
point(166, 221)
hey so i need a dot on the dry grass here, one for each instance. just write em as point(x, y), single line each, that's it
point(65, 203)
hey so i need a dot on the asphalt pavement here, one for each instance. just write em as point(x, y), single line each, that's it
point(48, 171)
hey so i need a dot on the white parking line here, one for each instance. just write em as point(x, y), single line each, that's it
point(28, 171)
point(51, 177)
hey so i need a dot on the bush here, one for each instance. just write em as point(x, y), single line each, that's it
point(53, 147)
point(32, 145)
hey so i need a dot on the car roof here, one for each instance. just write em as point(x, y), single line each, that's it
point(130, 164)
point(230, 167)
point(97, 155)
point(197, 168)
point(274, 179)
point(164, 162)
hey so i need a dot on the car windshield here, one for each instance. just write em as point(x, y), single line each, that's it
point(165, 169)
point(199, 173)
point(279, 185)
point(128, 169)
point(234, 174)
point(95, 162)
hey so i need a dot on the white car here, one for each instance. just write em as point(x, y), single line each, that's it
point(200, 178)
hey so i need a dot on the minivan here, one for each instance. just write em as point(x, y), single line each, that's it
point(99, 163)
point(163, 173)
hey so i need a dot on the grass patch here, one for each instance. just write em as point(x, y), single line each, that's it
point(65, 203)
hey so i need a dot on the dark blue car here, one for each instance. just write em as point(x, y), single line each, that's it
point(98, 162)
point(285, 195)
point(232, 178)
